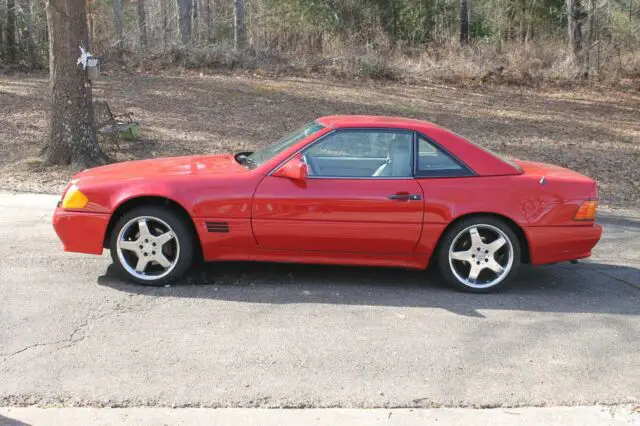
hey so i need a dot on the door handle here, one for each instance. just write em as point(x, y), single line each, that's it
point(405, 197)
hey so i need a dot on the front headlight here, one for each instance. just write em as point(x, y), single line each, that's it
point(74, 199)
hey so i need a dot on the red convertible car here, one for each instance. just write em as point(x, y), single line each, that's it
point(356, 190)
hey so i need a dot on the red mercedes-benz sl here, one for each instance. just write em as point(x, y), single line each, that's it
point(353, 190)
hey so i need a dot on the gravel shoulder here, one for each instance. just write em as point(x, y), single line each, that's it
point(594, 131)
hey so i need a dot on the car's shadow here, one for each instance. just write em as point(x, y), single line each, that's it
point(6, 421)
point(581, 288)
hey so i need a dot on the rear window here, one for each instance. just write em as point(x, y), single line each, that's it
point(502, 158)
point(433, 161)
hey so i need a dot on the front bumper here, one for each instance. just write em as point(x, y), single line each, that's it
point(551, 244)
point(81, 232)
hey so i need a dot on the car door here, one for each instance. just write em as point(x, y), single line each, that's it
point(360, 196)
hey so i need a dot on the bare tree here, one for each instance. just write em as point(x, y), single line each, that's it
point(31, 40)
point(239, 29)
point(142, 23)
point(72, 134)
point(195, 21)
point(10, 32)
point(185, 10)
point(391, 20)
point(91, 18)
point(464, 22)
point(2, 16)
point(165, 22)
point(523, 21)
point(117, 20)
point(28, 10)
point(210, 21)
point(575, 15)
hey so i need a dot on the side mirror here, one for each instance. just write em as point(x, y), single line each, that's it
point(294, 169)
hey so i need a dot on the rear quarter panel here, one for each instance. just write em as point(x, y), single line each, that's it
point(521, 198)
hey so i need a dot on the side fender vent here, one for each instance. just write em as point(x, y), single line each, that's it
point(222, 227)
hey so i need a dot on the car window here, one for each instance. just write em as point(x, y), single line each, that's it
point(362, 153)
point(434, 161)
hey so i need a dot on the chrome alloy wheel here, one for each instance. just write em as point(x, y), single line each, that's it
point(147, 248)
point(481, 256)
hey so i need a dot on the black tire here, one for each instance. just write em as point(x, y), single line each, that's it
point(449, 237)
point(183, 234)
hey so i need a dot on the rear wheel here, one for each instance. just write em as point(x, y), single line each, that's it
point(151, 246)
point(479, 255)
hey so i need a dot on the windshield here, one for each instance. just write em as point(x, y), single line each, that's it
point(274, 149)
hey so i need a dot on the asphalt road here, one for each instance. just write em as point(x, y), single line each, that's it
point(245, 335)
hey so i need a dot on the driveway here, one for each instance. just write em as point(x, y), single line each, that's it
point(265, 335)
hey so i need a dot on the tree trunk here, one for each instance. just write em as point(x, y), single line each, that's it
point(28, 8)
point(210, 21)
point(596, 33)
point(593, 40)
point(575, 14)
point(590, 39)
point(523, 20)
point(530, 34)
point(195, 21)
point(117, 20)
point(72, 134)
point(142, 23)
point(31, 40)
point(239, 30)
point(3, 13)
point(90, 18)
point(393, 24)
point(10, 34)
point(184, 17)
point(464, 22)
point(42, 30)
point(165, 22)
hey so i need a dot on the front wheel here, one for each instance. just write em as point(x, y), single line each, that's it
point(151, 246)
point(479, 255)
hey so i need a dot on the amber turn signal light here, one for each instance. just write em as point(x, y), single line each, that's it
point(587, 210)
point(74, 199)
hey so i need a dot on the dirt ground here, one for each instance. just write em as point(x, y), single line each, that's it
point(593, 131)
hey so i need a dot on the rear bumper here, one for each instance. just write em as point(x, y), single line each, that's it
point(551, 244)
point(81, 232)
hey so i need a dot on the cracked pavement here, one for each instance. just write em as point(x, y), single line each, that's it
point(263, 335)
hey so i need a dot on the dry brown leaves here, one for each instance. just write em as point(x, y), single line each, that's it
point(596, 132)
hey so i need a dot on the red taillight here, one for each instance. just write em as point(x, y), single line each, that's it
point(587, 210)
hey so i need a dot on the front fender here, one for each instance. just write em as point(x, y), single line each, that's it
point(107, 197)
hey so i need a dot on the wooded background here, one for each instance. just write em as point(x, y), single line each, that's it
point(456, 39)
